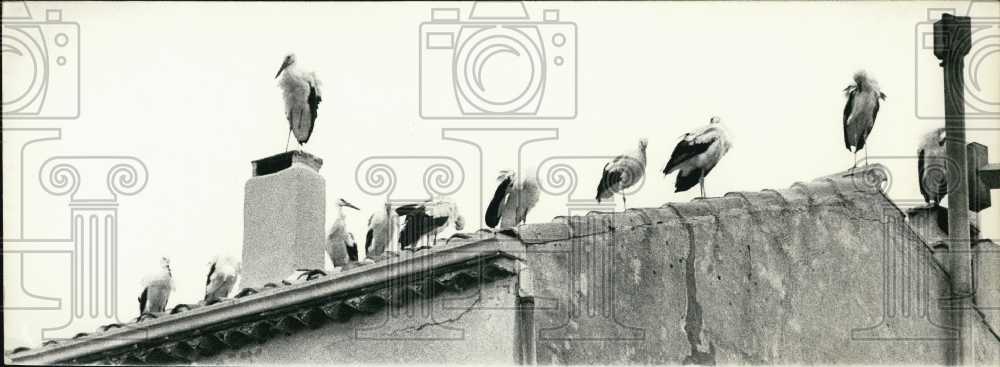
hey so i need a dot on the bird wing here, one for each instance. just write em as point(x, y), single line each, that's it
point(418, 225)
point(142, 300)
point(688, 148)
point(211, 270)
point(493, 212)
point(848, 108)
point(352, 249)
point(874, 111)
point(368, 239)
point(410, 209)
point(313, 100)
point(528, 199)
point(609, 178)
point(920, 175)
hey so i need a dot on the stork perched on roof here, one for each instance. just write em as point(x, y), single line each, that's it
point(302, 96)
point(339, 240)
point(383, 225)
point(623, 172)
point(932, 171)
point(156, 289)
point(427, 220)
point(512, 200)
point(697, 154)
point(221, 279)
point(859, 114)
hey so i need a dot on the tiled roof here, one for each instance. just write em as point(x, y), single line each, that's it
point(191, 331)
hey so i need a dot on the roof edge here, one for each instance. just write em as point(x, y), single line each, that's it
point(437, 260)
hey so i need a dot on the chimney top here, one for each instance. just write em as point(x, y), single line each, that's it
point(279, 162)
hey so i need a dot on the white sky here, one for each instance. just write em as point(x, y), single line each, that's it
point(188, 89)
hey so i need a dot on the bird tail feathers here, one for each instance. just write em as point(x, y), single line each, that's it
point(686, 180)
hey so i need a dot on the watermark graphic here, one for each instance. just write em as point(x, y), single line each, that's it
point(914, 288)
point(982, 96)
point(94, 185)
point(590, 262)
point(41, 62)
point(497, 63)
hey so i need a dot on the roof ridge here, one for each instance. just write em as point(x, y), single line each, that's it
point(841, 188)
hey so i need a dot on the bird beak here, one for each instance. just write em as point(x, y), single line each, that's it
point(283, 66)
point(349, 205)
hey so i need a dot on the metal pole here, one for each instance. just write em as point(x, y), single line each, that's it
point(951, 44)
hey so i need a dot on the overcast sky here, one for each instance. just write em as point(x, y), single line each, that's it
point(189, 90)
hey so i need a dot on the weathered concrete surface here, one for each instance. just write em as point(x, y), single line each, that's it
point(986, 270)
point(824, 272)
point(283, 219)
point(476, 325)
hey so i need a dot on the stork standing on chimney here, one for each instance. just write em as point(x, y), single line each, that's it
point(622, 172)
point(301, 91)
point(859, 114)
point(697, 154)
point(156, 289)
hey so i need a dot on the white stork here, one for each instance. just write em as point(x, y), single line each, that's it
point(221, 278)
point(382, 227)
point(511, 201)
point(301, 91)
point(339, 240)
point(697, 154)
point(622, 172)
point(859, 114)
point(932, 172)
point(156, 289)
point(427, 220)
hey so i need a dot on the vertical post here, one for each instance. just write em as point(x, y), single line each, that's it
point(951, 44)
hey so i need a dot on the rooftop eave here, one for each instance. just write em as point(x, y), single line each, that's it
point(352, 282)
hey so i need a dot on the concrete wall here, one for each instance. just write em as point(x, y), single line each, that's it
point(823, 272)
point(476, 325)
point(820, 273)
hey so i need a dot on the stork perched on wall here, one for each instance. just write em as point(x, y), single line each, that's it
point(156, 289)
point(427, 220)
point(221, 279)
point(697, 154)
point(623, 172)
point(383, 225)
point(859, 114)
point(338, 241)
point(301, 91)
point(932, 170)
point(512, 200)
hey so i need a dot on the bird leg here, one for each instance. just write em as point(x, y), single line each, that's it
point(701, 183)
point(854, 163)
point(866, 156)
point(288, 137)
point(624, 201)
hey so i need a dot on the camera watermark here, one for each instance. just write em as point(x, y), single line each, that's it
point(41, 61)
point(498, 63)
point(982, 97)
